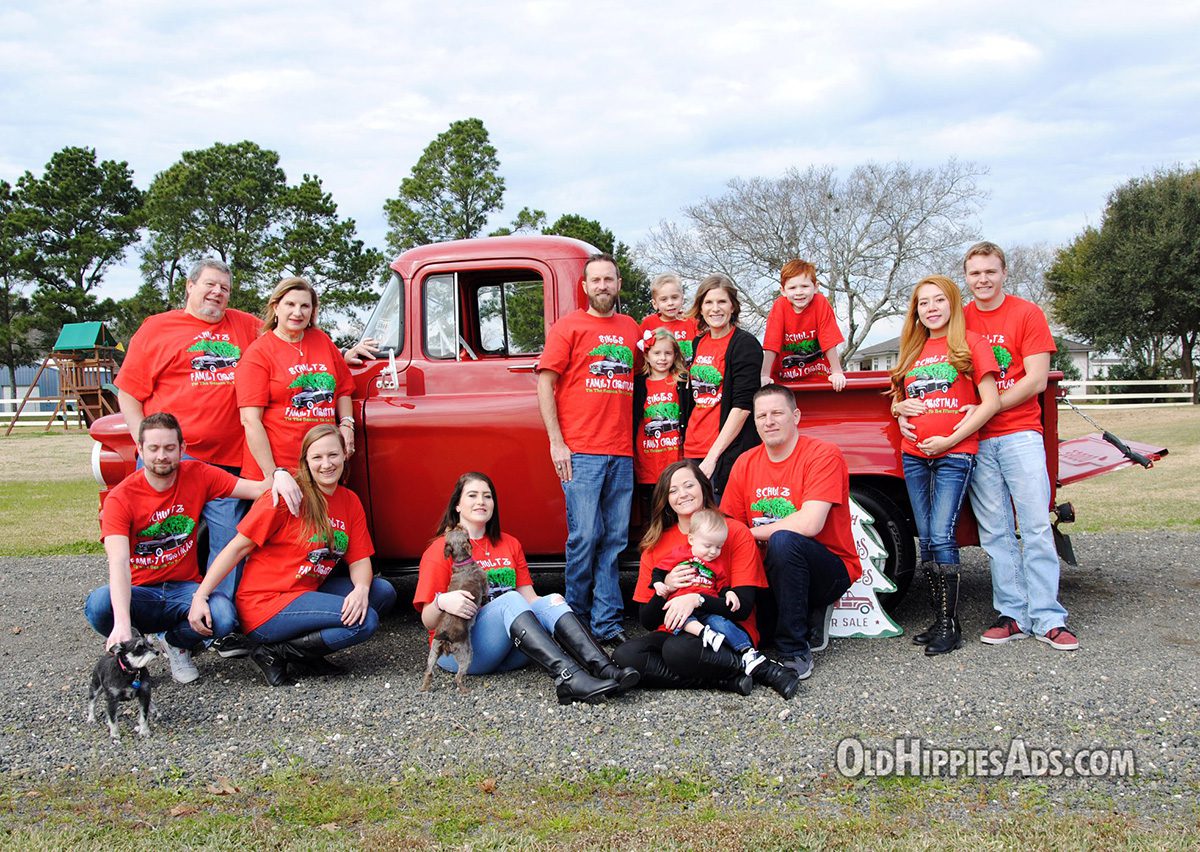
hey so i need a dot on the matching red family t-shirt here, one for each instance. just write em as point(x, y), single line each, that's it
point(184, 365)
point(289, 560)
point(760, 491)
point(800, 340)
point(706, 380)
point(596, 359)
point(658, 442)
point(1015, 330)
point(296, 385)
point(945, 391)
point(683, 330)
point(162, 525)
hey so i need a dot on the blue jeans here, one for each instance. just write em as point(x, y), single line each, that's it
point(804, 576)
point(162, 608)
point(222, 517)
point(1010, 470)
point(739, 639)
point(322, 610)
point(936, 488)
point(599, 497)
point(491, 647)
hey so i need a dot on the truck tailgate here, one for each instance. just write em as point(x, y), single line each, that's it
point(1090, 455)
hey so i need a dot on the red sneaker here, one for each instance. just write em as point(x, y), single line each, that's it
point(1060, 639)
point(1004, 630)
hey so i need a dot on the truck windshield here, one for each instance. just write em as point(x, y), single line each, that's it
point(387, 321)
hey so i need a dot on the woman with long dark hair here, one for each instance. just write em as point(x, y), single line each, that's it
point(664, 659)
point(514, 624)
point(291, 608)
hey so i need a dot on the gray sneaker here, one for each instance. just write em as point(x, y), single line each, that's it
point(801, 664)
point(183, 670)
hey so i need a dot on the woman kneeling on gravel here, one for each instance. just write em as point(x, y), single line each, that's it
point(514, 625)
point(667, 660)
point(287, 602)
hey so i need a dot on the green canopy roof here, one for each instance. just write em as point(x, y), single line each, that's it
point(83, 335)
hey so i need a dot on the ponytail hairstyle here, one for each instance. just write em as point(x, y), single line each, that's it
point(314, 508)
point(678, 369)
point(915, 334)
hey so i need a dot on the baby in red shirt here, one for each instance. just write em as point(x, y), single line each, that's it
point(706, 539)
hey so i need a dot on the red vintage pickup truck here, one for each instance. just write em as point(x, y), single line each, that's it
point(462, 325)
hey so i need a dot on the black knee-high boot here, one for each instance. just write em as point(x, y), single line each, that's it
point(570, 633)
point(571, 681)
point(947, 635)
point(722, 668)
point(934, 579)
point(311, 661)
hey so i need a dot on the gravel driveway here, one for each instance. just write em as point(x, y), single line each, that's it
point(1135, 683)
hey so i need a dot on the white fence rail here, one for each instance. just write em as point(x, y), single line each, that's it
point(37, 411)
point(1173, 392)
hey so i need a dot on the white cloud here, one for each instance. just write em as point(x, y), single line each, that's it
point(623, 112)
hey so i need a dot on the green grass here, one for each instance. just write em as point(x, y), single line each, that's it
point(47, 518)
point(1166, 497)
point(307, 810)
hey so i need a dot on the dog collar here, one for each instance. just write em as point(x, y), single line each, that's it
point(137, 675)
point(464, 562)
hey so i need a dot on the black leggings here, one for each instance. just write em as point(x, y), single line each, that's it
point(669, 662)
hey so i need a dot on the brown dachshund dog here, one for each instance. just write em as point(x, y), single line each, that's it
point(452, 634)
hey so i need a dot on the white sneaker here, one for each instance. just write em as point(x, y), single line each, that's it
point(183, 670)
point(751, 660)
point(711, 638)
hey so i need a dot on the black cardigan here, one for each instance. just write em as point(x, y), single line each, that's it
point(743, 367)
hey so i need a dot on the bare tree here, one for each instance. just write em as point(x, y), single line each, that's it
point(871, 235)
point(1027, 266)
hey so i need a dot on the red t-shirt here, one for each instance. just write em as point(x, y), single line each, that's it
point(290, 561)
point(944, 391)
point(683, 328)
point(184, 365)
point(595, 358)
point(707, 378)
point(711, 576)
point(161, 525)
point(760, 491)
point(503, 562)
point(658, 442)
point(741, 550)
point(297, 386)
point(1016, 330)
point(801, 339)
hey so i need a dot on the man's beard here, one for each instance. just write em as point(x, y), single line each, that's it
point(163, 468)
point(602, 302)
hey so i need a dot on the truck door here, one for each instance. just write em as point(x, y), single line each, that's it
point(467, 402)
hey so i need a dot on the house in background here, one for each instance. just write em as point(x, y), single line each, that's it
point(882, 356)
point(47, 386)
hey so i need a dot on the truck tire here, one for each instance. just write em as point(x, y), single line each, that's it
point(898, 537)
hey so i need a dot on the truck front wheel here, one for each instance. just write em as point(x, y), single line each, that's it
point(898, 537)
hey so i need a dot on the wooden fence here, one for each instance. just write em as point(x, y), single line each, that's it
point(1143, 395)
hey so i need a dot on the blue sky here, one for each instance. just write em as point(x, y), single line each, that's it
point(622, 112)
